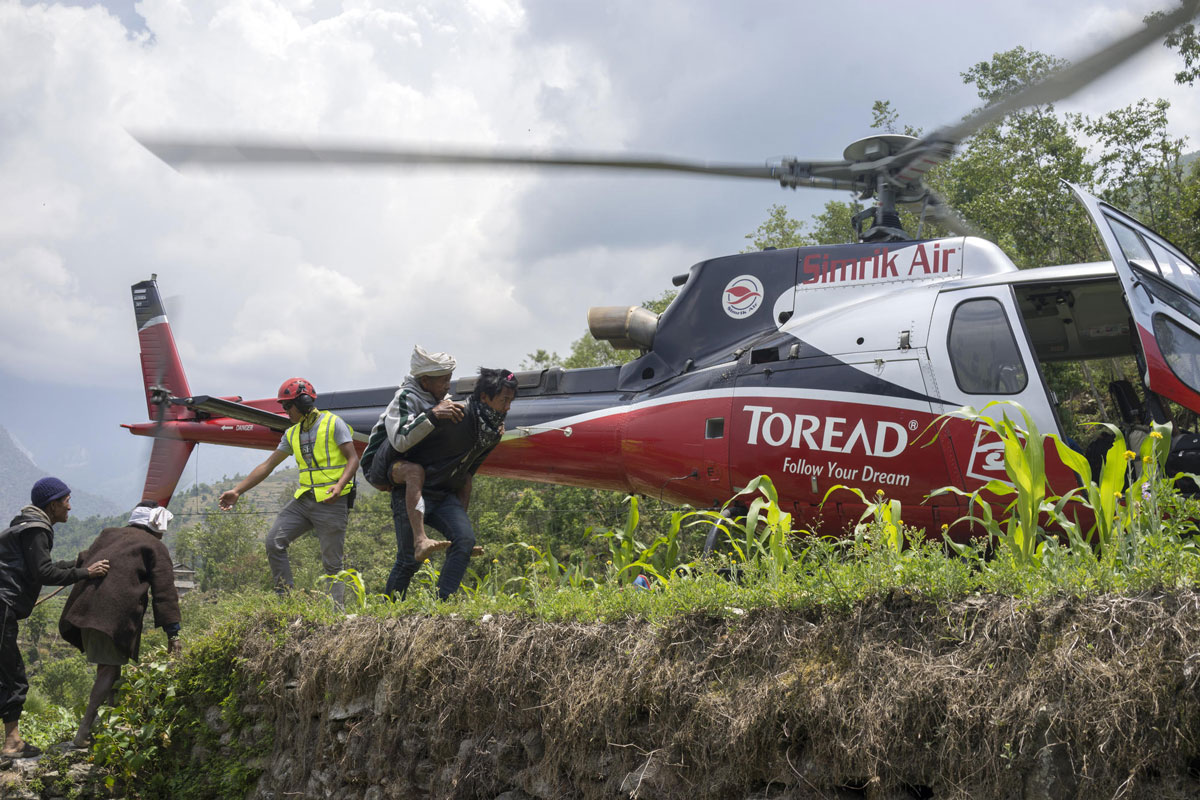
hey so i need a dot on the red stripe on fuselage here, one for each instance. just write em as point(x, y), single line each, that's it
point(662, 449)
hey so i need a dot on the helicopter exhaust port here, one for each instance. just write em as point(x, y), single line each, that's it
point(625, 328)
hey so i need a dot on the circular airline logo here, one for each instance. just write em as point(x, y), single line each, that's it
point(743, 295)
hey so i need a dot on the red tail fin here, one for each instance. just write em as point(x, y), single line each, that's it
point(160, 360)
point(162, 377)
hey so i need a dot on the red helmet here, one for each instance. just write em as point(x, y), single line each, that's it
point(294, 387)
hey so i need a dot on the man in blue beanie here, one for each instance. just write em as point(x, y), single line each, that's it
point(25, 566)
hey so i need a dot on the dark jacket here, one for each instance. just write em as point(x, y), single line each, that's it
point(138, 564)
point(454, 451)
point(25, 564)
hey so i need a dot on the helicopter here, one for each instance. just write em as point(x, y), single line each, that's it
point(818, 366)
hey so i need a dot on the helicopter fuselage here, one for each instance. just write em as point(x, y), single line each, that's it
point(819, 366)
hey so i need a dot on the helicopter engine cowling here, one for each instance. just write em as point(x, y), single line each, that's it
point(625, 328)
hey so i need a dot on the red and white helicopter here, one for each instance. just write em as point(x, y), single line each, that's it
point(815, 365)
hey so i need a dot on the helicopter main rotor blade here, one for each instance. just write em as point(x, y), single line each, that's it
point(939, 145)
point(903, 171)
point(939, 210)
point(182, 153)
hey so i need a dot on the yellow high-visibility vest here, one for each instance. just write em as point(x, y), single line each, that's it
point(328, 460)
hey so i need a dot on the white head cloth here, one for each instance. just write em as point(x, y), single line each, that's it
point(432, 364)
point(155, 519)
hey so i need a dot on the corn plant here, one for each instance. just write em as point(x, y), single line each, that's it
point(352, 581)
point(477, 585)
point(662, 558)
point(749, 545)
point(624, 549)
point(574, 574)
point(1021, 535)
point(628, 557)
point(1124, 500)
point(880, 518)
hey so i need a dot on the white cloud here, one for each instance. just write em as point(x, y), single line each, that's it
point(47, 321)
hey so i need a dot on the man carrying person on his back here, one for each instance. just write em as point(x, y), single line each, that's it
point(323, 446)
point(25, 566)
point(418, 408)
point(449, 457)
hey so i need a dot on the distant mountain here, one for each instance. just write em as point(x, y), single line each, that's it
point(18, 473)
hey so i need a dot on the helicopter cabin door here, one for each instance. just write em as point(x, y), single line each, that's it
point(979, 357)
point(1162, 290)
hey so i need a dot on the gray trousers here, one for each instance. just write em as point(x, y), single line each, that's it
point(304, 514)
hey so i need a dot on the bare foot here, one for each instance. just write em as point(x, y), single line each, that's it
point(427, 548)
point(477, 550)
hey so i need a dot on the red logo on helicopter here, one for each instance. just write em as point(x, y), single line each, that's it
point(743, 295)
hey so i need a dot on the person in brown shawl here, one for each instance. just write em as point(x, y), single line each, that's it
point(103, 616)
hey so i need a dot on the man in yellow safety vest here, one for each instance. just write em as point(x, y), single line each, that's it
point(323, 446)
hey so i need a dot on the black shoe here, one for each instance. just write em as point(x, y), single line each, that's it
point(27, 751)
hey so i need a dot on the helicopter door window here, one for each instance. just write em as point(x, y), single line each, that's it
point(983, 350)
point(1173, 297)
point(1181, 349)
point(1176, 269)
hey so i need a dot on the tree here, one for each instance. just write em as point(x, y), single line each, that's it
point(884, 117)
point(1185, 39)
point(225, 549)
point(1140, 168)
point(778, 231)
point(1007, 179)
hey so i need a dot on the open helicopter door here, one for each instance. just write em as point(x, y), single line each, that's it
point(981, 357)
point(1162, 291)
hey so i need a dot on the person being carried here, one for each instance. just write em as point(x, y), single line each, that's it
point(25, 566)
point(449, 457)
point(419, 406)
point(323, 446)
point(103, 616)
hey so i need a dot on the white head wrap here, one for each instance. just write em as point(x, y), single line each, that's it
point(155, 519)
point(432, 364)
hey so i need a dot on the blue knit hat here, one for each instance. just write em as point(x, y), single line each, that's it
point(47, 490)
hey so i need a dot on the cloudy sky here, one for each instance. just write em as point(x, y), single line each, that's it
point(333, 275)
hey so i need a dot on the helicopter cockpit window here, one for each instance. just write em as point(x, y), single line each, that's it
point(983, 350)
point(1181, 349)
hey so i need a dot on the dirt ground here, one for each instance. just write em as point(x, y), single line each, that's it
point(984, 698)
